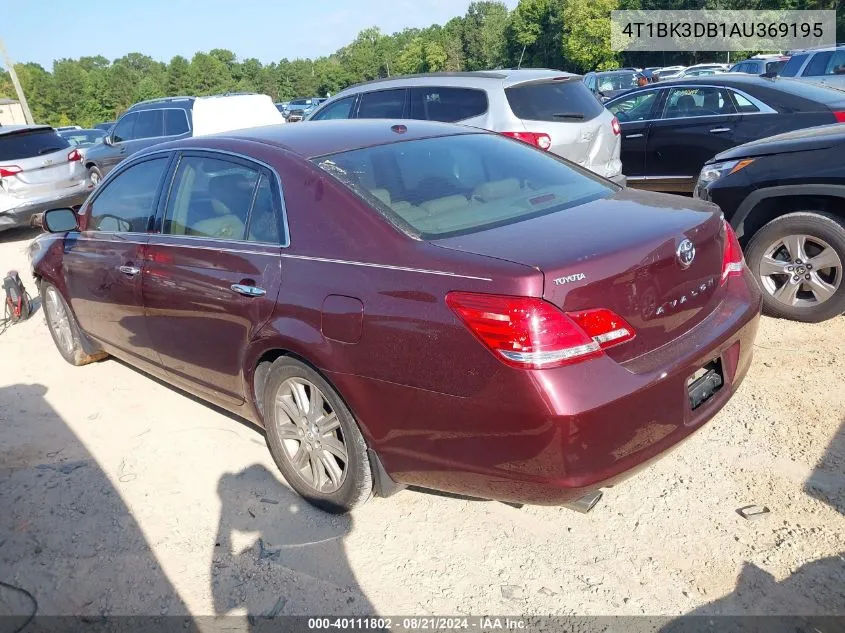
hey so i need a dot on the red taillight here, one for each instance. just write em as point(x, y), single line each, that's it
point(604, 326)
point(732, 259)
point(537, 139)
point(74, 156)
point(530, 333)
point(9, 171)
point(614, 125)
point(840, 116)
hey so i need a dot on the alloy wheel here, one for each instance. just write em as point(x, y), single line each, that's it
point(58, 319)
point(801, 271)
point(311, 435)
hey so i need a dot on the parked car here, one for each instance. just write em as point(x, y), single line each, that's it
point(441, 357)
point(670, 129)
point(669, 72)
point(150, 122)
point(609, 84)
point(83, 139)
point(299, 109)
point(785, 195)
point(38, 169)
point(699, 72)
point(105, 125)
point(825, 66)
point(549, 109)
point(761, 65)
point(283, 106)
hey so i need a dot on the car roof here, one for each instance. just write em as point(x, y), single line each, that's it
point(507, 77)
point(10, 129)
point(319, 138)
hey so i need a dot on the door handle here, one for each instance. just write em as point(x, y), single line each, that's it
point(129, 270)
point(719, 130)
point(633, 136)
point(248, 291)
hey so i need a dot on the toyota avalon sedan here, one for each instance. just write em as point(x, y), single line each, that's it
point(409, 302)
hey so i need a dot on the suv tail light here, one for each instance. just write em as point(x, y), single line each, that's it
point(9, 171)
point(732, 259)
point(614, 125)
point(537, 139)
point(74, 156)
point(840, 116)
point(531, 333)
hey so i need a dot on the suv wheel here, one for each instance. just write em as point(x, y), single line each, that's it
point(94, 175)
point(798, 260)
point(314, 439)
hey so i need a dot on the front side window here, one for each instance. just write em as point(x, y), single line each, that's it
point(210, 197)
point(341, 109)
point(637, 107)
point(836, 65)
point(438, 187)
point(150, 124)
point(125, 128)
point(126, 203)
point(818, 64)
point(384, 104)
point(447, 104)
point(175, 122)
point(695, 102)
point(794, 64)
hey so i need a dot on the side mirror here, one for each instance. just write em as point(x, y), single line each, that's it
point(60, 220)
point(108, 140)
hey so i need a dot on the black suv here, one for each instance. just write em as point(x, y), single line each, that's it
point(785, 197)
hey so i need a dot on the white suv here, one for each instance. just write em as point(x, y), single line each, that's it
point(550, 109)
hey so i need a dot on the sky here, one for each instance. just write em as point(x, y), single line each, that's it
point(44, 30)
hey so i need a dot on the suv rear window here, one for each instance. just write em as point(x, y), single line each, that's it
point(556, 100)
point(453, 185)
point(30, 144)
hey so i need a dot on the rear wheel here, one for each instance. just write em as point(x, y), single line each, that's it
point(63, 327)
point(314, 439)
point(799, 260)
point(94, 175)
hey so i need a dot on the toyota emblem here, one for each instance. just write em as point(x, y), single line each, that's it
point(685, 253)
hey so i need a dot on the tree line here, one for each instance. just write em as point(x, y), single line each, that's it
point(570, 35)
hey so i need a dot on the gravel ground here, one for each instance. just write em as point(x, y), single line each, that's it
point(121, 495)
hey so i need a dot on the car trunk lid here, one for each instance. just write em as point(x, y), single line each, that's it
point(620, 253)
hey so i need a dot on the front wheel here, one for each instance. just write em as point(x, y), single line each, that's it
point(314, 438)
point(798, 260)
point(63, 327)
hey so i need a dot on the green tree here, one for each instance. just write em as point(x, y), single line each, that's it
point(535, 33)
point(586, 34)
point(484, 27)
point(178, 80)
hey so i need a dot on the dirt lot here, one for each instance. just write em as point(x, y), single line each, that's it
point(121, 495)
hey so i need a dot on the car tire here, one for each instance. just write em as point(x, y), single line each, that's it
point(63, 327)
point(809, 248)
point(95, 176)
point(322, 455)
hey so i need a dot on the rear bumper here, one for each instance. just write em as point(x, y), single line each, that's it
point(21, 215)
point(548, 437)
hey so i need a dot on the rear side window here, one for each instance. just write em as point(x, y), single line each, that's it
point(694, 102)
point(794, 64)
point(150, 124)
point(384, 104)
point(817, 64)
point(743, 105)
point(452, 185)
point(447, 104)
point(30, 144)
point(560, 100)
point(127, 202)
point(175, 122)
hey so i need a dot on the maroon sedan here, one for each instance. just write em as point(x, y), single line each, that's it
point(411, 303)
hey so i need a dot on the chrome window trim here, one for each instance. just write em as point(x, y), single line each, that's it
point(383, 266)
point(192, 148)
point(763, 108)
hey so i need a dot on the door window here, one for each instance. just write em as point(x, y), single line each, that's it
point(793, 65)
point(175, 122)
point(341, 109)
point(263, 219)
point(696, 102)
point(126, 203)
point(636, 107)
point(384, 104)
point(447, 104)
point(818, 64)
point(211, 197)
point(125, 128)
point(150, 124)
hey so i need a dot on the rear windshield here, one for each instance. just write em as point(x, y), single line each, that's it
point(30, 144)
point(561, 100)
point(452, 185)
